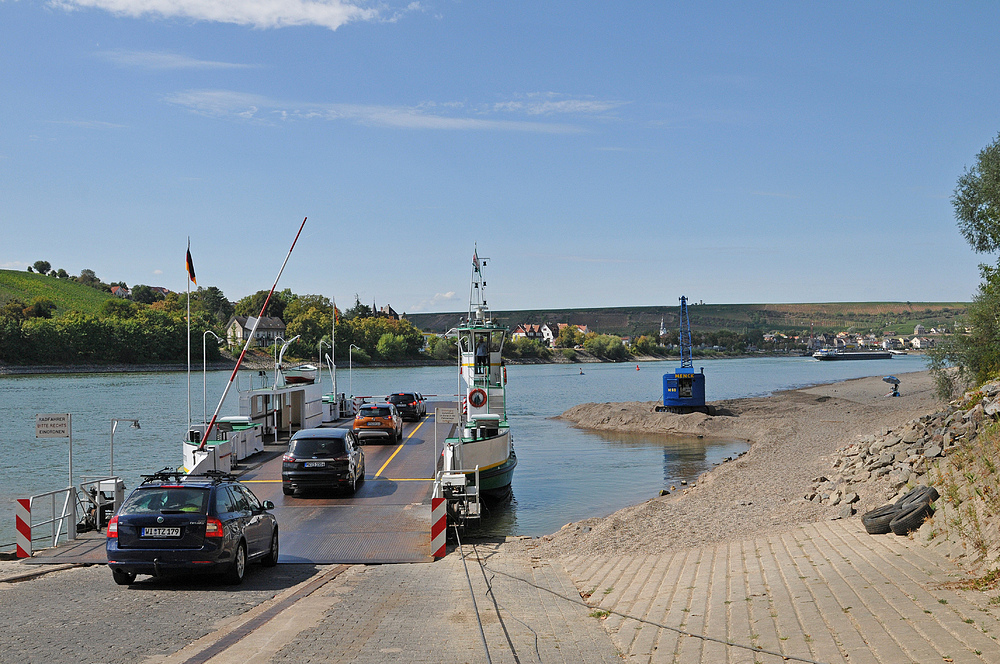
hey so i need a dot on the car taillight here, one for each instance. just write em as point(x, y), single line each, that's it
point(113, 527)
point(213, 527)
point(288, 457)
point(413, 403)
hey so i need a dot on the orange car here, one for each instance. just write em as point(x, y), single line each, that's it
point(379, 420)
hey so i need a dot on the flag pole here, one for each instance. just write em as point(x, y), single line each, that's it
point(253, 331)
point(187, 268)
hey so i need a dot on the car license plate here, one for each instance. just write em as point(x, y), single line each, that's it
point(315, 464)
point(374, 424)
point(161, 532)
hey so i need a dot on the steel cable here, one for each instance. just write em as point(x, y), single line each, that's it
point(475, 606)
point(682, 632)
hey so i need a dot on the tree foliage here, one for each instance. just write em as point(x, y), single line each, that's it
point(42, 267)
point(976, 200)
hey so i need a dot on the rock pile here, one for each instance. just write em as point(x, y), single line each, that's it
point(902, 458)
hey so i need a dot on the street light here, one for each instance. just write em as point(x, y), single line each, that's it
point(204, 382)
point(114, 425)
point(350, 367)
point(324, 342)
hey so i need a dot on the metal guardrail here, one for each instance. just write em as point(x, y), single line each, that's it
point(64, 517)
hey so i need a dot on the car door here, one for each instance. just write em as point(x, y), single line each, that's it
point(258, 529)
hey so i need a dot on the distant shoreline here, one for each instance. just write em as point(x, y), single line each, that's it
point(257, 363)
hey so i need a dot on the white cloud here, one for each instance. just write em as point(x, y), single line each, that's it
point(163, 60)
point(157, 272)
point(552, 103)
point(437, 301)
point(14, 265)
point(226, 103)
point(256, 13)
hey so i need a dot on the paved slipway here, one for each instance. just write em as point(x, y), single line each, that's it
point(801, 587)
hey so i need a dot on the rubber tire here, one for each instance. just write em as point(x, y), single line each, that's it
point(910, 518)
point(238, 568)
point(270, 559)
point(918, 494)
point(122, 578)
point(877, 521)
point(287, 490)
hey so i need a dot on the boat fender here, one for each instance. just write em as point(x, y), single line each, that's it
point(477, 398)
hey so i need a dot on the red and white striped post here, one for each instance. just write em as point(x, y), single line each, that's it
point(439, 526)
point(23, 527)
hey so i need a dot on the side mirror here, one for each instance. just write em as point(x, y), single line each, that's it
point(268, 505)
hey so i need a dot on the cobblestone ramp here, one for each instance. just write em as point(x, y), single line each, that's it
point(355, 534)
point(824, 592)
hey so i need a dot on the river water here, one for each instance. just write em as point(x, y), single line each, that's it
point(564, 474)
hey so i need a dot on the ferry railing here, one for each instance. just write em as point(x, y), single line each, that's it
point(92, 493)
point(59, 518)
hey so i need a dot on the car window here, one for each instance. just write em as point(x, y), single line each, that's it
point(223, 501)
point(375, 411)
point(250, 497)
point(316, 447)
point(164, 500)
point(402, 398)
point(242, 504)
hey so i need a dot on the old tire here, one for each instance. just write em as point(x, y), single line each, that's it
point(920, 494)
point(122, 578)
point(271, 558)
point(910, 518)
point(238, 568)
point(877, 521)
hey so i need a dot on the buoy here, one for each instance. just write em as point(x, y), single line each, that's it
point(637, 367)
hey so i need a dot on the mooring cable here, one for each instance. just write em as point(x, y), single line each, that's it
point(497, 606)
point(475, 607)
point(678, 630)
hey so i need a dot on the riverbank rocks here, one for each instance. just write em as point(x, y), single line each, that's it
point(895, 460)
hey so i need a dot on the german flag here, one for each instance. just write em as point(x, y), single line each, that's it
point(190, 265)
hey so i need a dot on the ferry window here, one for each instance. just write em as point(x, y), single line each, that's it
point(496, 341)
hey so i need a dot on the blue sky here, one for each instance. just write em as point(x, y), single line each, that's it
point(602, 154)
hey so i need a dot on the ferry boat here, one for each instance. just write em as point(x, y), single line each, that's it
point(834, 354)
point(482, 449)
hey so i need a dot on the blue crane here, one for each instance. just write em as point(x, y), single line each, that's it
point(684, 390)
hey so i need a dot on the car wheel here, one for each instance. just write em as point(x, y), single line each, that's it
point(287, 490)
point(239, 566)
point(271, 559)
point(122, 578)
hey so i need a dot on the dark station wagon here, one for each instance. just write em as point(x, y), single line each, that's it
point(321, 459)
point(409, 404)
point(175, 523)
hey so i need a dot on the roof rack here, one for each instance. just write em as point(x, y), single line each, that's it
point(168, 474)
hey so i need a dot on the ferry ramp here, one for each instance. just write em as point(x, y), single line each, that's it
point(388, 519)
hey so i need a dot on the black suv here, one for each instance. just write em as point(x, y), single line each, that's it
point(321, 459)
point(181, 523)
point(409, 404)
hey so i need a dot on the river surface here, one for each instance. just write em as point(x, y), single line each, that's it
point(564, 474)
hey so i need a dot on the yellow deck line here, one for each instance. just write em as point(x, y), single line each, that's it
point(415, 429)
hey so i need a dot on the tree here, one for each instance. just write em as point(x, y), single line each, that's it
point(251, 304)
point(42, 267)
point(89, 278)
point(62, 274)
point(40, 307)
point(358, 310)
point(143, 294)
point(976, 200)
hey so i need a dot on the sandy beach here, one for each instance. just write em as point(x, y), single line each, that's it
point(792, 435)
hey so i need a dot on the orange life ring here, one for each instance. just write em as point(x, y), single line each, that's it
point(477, 398)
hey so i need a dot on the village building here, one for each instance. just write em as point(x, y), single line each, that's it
point(239, 327)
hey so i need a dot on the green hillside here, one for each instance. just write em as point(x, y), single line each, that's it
point(886, 317)
point(65, 294)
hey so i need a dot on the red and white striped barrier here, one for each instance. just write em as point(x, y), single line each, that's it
point(23, 527)
point(439, 526)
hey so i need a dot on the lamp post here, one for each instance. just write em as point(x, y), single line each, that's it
point(114, 425)
point(350, 367)
point(324, 342)
point(204, 381)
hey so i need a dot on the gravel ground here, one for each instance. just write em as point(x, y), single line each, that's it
point(792, 436)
